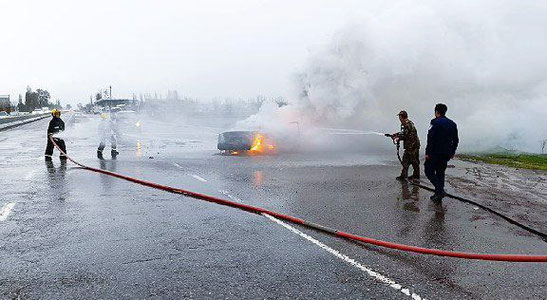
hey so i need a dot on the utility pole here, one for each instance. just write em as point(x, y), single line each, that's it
point(110, 93)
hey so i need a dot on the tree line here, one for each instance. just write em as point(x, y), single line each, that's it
point(38, 98)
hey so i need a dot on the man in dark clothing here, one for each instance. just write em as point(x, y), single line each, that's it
point(442, 142)
point(56, 125)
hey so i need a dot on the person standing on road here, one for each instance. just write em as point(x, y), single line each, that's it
point(411, 146)
point(107, 130)
point(442, 142)
point(56, 125)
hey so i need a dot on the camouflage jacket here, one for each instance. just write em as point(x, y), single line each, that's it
point(409, 136)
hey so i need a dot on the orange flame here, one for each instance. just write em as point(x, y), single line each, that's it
point(261, 145)
point(257, 143)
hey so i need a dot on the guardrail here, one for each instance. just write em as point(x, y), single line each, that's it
point(12, 122)
point(21, 118)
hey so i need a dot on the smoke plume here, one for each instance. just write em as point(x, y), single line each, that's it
point(485, 60)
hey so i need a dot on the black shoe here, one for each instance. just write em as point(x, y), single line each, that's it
point(114, 152)
point(438, 197)
point(414, 177)
point(99, 154)
point(401, 178)
point(48, 157)
point(443, 194)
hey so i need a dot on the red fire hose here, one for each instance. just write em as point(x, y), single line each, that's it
point(259, 210)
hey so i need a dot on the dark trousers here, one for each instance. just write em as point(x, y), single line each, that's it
point(435, 168)
point(49, 147)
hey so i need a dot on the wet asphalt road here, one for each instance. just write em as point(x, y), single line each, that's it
point(72, 233)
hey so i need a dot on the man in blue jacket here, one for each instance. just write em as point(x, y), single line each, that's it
point(442, 142)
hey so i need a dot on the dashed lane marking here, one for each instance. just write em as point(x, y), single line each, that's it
point(375, 275)
point(226, 193)
point(199, 178)
point(6, 210)
point(193, 175)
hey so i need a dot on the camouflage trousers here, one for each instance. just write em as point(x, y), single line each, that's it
point(411, 157)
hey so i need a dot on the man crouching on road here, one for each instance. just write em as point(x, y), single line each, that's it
point(411, 145)
point(56, 125)
point(442, 142)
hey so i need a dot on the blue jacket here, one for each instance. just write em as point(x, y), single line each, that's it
point(442, 137)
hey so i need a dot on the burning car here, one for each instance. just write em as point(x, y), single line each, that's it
point(245, 142)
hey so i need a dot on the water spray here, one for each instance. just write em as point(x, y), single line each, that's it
point(342, 131)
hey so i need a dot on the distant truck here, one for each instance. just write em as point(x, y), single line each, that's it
point(39, 111)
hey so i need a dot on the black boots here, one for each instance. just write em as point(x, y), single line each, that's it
point(438, 197)
point(113, 152)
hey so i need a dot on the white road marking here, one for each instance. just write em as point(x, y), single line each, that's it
point(6, 210)
point(199, 178)
point(375, 275)
point(193, 175)
point(233, 198)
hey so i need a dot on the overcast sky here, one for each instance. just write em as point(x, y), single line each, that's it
point(201, 48)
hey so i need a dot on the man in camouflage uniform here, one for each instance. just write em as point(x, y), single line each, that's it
point(411, 146)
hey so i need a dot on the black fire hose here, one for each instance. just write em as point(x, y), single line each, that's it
point(397, 145)
point(542, 235)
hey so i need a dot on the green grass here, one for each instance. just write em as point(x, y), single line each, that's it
point(522, 161)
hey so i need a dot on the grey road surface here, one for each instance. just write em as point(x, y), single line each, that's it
point(70, 233)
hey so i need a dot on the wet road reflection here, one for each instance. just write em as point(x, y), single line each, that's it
point(258, 178)
point(437, 235)
point(411, 196)
point(108, 165)
point(434, 229)
point(56, 178)
point(138, 152)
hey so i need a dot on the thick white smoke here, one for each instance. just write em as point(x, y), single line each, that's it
point(487, 61)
